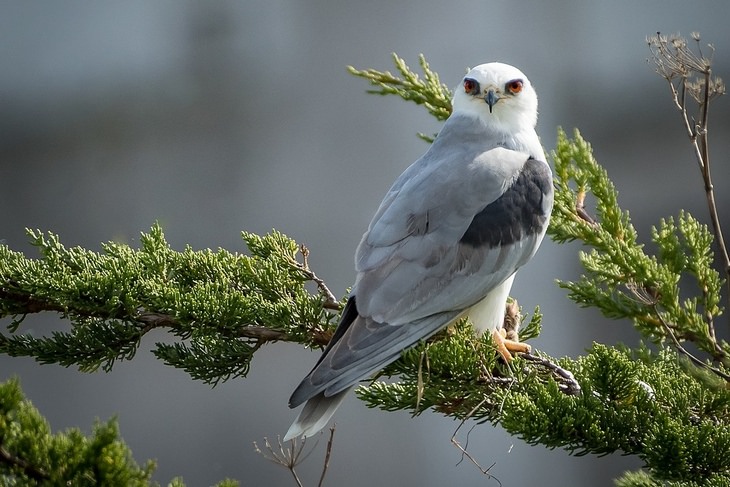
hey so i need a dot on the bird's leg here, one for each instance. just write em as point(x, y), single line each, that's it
point(507, 339)
point(507, 347)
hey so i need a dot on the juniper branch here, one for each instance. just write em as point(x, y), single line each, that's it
point(427, 91)
point(622, 280)
point(634, 402)
point(220, 307)
point(690, 73)
point(30, 454)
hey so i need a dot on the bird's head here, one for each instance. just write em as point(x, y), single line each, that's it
point(498, 94)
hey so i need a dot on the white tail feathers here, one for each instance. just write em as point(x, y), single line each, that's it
point(316, 414)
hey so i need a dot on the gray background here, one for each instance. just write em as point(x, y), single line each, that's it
point(214, 117)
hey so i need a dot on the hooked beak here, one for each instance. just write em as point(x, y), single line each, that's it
point(491, 98)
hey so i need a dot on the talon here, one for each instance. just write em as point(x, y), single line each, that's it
point(507, 347)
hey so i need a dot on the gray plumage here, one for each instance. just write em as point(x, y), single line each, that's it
point(445, 242)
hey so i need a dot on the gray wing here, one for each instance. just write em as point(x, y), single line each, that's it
point(455, 225)
point(450, 233)
point(363, 346)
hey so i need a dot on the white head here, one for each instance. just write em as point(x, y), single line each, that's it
point(499, 95)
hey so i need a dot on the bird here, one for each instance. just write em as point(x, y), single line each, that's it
point(445, 243)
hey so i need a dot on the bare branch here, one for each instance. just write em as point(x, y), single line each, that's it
point(464, 449)
point(580, 209)
point(331, 301)
point(328, 455)
point(293, 455)
point(674, 60)
point(285, 457)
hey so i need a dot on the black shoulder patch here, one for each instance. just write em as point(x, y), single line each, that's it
point(518, 212)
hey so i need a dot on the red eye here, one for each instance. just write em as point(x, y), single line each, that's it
point(514, 86)
point(471, 86)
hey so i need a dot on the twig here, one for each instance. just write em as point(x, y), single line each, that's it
point(674, 60)
point(156, 320)
point(420, 384)
point(328, 455)
point(150, 319)
point(287, 458)
point(698, 135)
point(683, 350)
point(569, 386)
point(259, 333)
point(463, 449)
point(292, 456)
point(580, 209)
point(330, 301)
point(649, 297)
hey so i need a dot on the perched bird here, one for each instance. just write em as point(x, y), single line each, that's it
point(445, 242)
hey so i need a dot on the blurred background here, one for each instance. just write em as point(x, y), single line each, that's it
point(215, 117)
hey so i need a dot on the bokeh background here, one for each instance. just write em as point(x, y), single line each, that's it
point(215, 117)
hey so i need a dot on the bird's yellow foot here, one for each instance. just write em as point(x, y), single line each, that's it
point(507, 347)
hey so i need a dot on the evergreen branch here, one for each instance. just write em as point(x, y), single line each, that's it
point(623, 281)
point(31, 455)
point(634, 402)
point(693, 359)
point(643, 479)
point(220, 307)
point(427, 91)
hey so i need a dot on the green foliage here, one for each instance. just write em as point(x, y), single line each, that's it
point(436, 375)
point(440, 373)
point(30, 455)
point(429, 91)
point(643, 479)
point(533, 327)
point(218, 306)
point(621, 279)
point(34, 456)
point(633, 402)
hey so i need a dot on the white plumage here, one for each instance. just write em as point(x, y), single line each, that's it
point(445, 242)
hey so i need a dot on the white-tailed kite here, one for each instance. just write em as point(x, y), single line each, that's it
point(445, 242)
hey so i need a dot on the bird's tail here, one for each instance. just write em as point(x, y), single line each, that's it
point(316, 413)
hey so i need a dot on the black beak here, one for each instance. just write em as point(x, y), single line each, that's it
point(491, 98)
